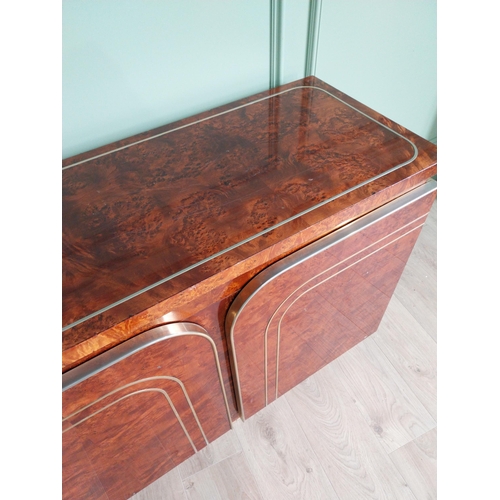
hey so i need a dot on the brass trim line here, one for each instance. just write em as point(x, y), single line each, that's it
point(282, 266)
point(161, 391)
point(136, 344)
point(141, 381)
point(201, 120)
point(324, 281)
point(260, 233)
point(319, 274)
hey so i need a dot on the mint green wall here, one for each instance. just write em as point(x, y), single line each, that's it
point(131, 65)
point(383, 53)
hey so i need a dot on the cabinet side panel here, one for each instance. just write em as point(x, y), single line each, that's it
point(306, 310)
point(332, 317)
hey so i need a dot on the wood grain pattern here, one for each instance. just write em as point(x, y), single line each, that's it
point(182, 191)
point(350, 453)
point(280, 457)
point(414, 292)
point(168, 487)
point(82, 342)
point(411, 351)
point(299, 317)
point(121, 210)
point(127, 446)
point(212, 317)
point(393, 413)
point(417, 463)
point(78, 471)
point(414, 349)
point(132, 422)
point(170, 198)
point(230, 478)
point(217, 451)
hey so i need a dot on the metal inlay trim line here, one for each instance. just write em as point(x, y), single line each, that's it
point(161, 391)
point(324, 281)
point(260, 233)
point(280, 267)
point(148, 379)
point(319, 274)
point(138, 343)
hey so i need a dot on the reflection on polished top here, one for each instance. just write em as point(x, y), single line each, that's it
point(146, 217)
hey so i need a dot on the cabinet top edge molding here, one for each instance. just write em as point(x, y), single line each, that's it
point(149, 216)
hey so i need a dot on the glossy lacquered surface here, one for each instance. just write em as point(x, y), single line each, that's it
point(136, 412)
point(304, 311)
point(147, 211)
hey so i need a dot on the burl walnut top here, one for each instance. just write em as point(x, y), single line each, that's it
point(146, 217)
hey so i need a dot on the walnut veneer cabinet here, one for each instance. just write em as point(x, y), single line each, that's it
point(212, 264)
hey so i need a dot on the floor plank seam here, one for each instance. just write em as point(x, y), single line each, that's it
point(413, 440)
point(363, 419)
point(413, 316)
point(246, 459)
point(410, 312)
point(407, 471)
point(212, 465)
point(406, 384)
point(310, 445)
point(375, 442)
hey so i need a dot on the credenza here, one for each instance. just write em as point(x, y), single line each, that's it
point(212, 264)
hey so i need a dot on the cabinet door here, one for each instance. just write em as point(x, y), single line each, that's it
point(138, 410)
point(307, 309)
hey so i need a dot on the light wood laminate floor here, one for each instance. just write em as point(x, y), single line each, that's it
point(363, 427)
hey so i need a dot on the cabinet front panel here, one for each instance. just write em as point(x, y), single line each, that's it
point(304, 311)
point(134, 413)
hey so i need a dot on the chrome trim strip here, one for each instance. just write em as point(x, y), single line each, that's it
point(313, 278)
point(126, 349)
point(133, 394)
point(147, 379)
point(260, 233)
point(324, 281)
point(280, 267)
point(135, 344)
